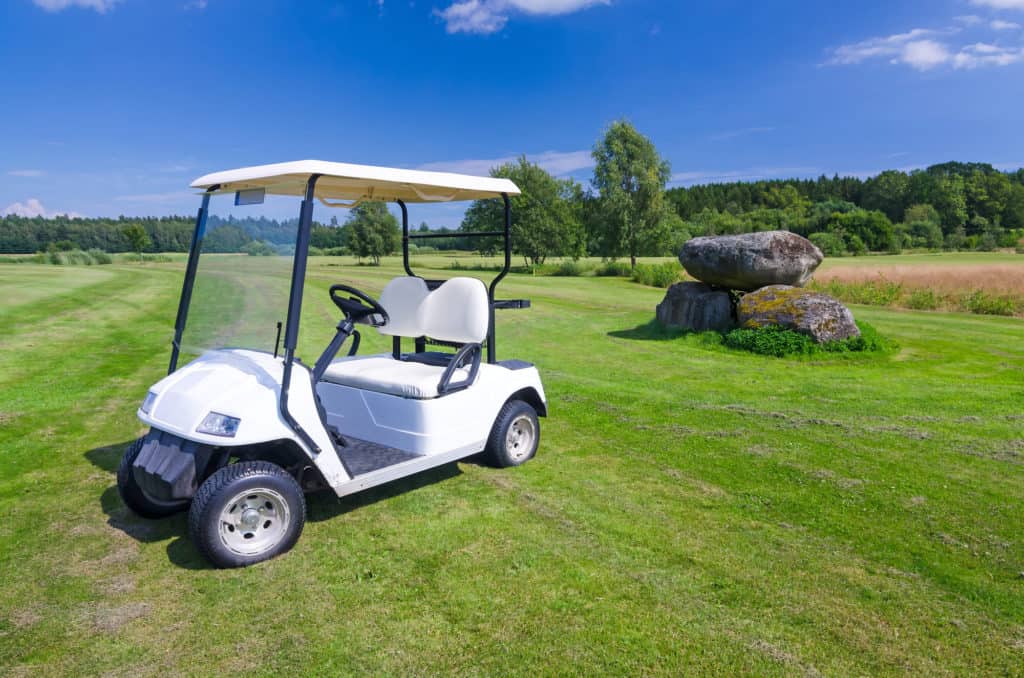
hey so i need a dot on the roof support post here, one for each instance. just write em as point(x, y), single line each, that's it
point(291, 333)
point(491, 352)
point(190, 278)
point(405, 238)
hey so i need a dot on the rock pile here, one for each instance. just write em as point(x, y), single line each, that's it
point(767, 271)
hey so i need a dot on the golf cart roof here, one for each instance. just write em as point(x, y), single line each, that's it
point(342, 181)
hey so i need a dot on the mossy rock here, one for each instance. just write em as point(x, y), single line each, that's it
point(818, 315)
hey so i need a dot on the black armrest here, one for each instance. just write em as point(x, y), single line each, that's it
point(444, 387)
point(506, 304)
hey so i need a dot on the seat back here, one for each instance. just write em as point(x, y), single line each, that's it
point(457, 311)
point(402, 298)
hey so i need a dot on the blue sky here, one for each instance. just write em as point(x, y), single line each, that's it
point(113, 106)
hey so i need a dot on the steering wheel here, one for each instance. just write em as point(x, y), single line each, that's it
point(359, 306)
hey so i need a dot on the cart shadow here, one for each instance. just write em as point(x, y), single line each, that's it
point(649, 331)
point(324, 505)
point(320, 506)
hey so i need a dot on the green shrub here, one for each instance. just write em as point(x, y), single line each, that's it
point(336, 251)
point(568, 269)
point(830, 244)
point(984, 303)
point(612, 269)
point(780, 342)
point(100, 257)
point(879, 292)
point(78, 258)
point(774, 341)
point(923, 300)
point(657, 275)
point(313, 251)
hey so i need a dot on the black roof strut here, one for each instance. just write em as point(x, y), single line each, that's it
point(506, 235)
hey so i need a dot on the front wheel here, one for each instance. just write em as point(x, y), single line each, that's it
point(246, 513)
point(134, 496)
point(514, 436)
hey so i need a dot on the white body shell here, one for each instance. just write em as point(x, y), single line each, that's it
point(247, 384)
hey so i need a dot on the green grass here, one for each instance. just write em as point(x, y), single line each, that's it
point(693, 509)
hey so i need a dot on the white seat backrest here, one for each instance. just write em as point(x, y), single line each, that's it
point(456, 311)
point(403, 299)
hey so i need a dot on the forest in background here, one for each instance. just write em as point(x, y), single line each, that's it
point(953, 206)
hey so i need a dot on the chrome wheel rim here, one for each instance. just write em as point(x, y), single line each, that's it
point(520, 436)
point(254, 521)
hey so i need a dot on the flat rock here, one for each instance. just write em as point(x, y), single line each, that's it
point(695, 306)
point(813, 313)
point(752, 260)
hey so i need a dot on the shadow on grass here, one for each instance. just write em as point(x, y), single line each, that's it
point(322, 505)
point(650, 331)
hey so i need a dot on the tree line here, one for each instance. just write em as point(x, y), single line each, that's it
point(627, 211)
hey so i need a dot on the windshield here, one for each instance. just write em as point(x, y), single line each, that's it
point(243, 279)
point(243, 276)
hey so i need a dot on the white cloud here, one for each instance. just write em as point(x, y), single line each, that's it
point(555, 162)
point(490, 16)
point(924, 49)
point(889, 46)
point(999, 4)
point(751, 174)
point(732, 134)
point(984, 54)
point(32, 173)
point(33, 208)
point(923, 55)
point(172, 196)
point(100, 6)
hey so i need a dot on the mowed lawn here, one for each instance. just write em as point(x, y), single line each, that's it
point(691, 509)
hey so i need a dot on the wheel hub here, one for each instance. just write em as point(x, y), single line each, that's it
point(254, 521)
point(250, 518)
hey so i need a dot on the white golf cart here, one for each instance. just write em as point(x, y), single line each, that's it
point(239, 434)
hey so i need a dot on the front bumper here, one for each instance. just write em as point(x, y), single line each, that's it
point(169, 468)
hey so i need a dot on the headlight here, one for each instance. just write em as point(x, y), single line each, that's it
point(217, 424)
point(147, 404)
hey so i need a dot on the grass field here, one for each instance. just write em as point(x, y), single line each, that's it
point(691, 510)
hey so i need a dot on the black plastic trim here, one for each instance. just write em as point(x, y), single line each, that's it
point(291, 334)
point(189, 281)
point(444, 387)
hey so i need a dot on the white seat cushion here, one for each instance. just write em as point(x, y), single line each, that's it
point(457, 311)
point(384, 374)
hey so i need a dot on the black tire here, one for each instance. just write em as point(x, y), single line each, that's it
point(227, 522)
point(504, 449)
point(135, 497)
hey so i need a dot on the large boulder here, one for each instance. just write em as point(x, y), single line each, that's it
point(751, 261)
point(813, 313)
point(695, 306)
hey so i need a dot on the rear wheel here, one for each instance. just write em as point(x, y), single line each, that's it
point(134, 496)
point(514, 437)
point(246, 513)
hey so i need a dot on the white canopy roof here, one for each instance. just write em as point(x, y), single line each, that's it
point(342, 181)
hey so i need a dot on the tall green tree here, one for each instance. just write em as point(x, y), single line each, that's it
point(546, 218)
point(630, 178)
point(137, 238)
point(373, 231)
